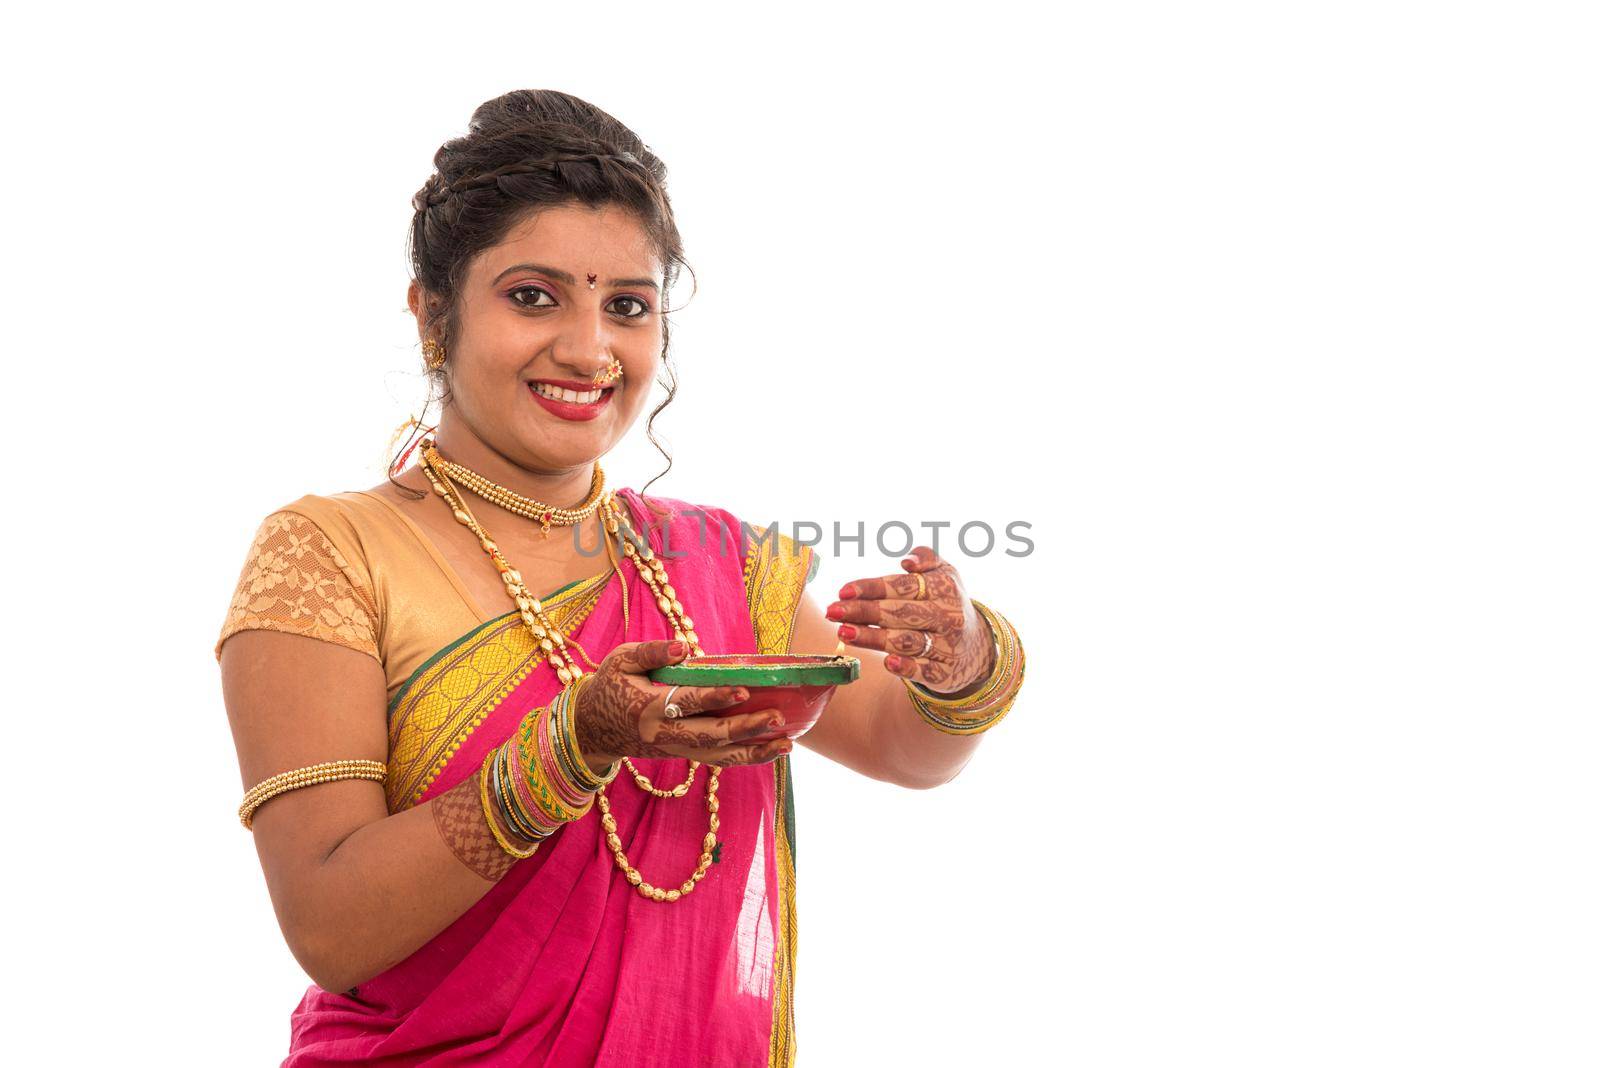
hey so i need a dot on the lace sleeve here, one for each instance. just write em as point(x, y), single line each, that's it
point(296, 580)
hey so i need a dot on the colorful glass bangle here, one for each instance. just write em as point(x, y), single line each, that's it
point(540, 776)
point(559, 714)
point(515, 814)
point(550, 783)
point(564, 706)
point(571, 766)
point(532, 792)
point(567, 793)
point(489, 815)
point(523, 797)
point(535, 782)
point(504, 791)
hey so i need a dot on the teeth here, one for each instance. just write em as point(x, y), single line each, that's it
point(568, 395)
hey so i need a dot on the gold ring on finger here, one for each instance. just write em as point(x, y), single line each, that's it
point(922, 588)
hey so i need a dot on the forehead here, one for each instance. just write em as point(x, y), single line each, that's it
point(575, 238)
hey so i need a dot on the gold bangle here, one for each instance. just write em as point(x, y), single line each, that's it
point(587, 779)
point(488, 814)
point(982, 710)
point(949, 726)
point(327, 771)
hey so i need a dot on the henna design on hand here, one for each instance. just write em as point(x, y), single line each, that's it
point(962, 653)
point(924, 615)
point(608, 713)
point(942, 586)
point(937, 616)
point(759, 754)
point(619, 710)
point(677, 732)
point(458, 814)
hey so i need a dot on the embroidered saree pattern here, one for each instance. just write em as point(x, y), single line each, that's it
point(297, 581)
point(776, 569)
point(443, 703)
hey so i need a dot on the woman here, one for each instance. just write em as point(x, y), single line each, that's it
point(424, 770)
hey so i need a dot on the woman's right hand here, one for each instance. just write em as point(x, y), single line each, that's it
point(620, 712)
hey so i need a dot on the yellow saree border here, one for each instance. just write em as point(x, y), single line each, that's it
point(445, 699)
point(776, 570)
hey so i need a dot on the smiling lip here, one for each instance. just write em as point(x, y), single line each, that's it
point(567, 409)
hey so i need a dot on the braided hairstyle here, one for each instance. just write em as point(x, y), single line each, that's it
point(525, 151)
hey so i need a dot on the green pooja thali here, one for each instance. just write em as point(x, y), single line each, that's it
point(796, 685)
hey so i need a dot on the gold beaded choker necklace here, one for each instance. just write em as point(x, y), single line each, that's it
point(512, 501)
point(553, 644)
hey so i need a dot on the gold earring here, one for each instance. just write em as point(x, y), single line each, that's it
point(433, 353)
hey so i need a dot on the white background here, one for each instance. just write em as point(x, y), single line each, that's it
point(1276, 321)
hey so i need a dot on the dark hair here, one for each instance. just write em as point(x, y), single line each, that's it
point(528, 150)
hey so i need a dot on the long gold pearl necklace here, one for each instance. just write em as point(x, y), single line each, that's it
point(654, 573)
point(553, 644)
point(548, 636)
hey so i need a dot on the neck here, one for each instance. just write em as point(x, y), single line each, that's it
point(557, 487)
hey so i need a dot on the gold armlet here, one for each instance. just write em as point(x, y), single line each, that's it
point(978, 712)
point(328, 771)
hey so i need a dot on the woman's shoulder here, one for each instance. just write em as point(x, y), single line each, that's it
point(344, 528)
point(344, 516)
point(305, 572)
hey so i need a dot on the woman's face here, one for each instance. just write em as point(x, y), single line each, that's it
point(529, 325)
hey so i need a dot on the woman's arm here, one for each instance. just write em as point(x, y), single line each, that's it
point(871, 726)
point(355, 889)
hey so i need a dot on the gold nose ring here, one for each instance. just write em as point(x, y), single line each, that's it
point(609, 374)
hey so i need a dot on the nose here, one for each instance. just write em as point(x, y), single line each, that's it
point(584, 343)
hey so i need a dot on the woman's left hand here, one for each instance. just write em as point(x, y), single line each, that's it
point(923, 620)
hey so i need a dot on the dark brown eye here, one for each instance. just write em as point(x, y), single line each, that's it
point(535, 292)
point(644, 309)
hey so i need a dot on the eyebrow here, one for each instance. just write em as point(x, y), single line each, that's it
point(563, 276)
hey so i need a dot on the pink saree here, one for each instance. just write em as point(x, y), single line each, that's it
point(563, 962)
